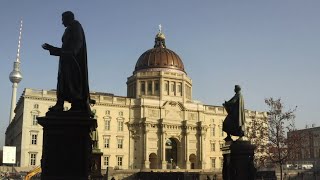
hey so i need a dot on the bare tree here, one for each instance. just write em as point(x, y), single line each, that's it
point(257, 133)
point(279, 123)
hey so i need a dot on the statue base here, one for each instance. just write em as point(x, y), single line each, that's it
point(96, 165)
point(238, 161)
point(67, 145)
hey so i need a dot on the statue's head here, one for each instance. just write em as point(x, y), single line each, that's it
point(67, 18)
point(237, 88)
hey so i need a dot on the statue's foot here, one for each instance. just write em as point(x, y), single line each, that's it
point(56, 108)
point(79, 107)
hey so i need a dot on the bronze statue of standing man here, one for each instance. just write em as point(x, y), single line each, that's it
point(72, 83)
point(234, 123)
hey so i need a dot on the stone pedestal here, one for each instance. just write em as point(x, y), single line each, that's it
point(96, 164)
point(146, 165)
point(164, 165)
point(66, 145)
point(238, 161)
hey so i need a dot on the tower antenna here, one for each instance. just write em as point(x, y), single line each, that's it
point(15, 76)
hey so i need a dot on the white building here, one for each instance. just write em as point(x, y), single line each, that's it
point(157, 126)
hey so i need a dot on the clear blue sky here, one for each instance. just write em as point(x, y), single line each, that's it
point(271, 48)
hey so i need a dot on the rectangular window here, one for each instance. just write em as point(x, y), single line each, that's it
point(221, 145)
point(149, 87)
point(179, 88)
point(34, 119)
point(106, 160)
point(213, 163)
point(213, 147)
point(34, 138)
point(156, 86)
point(120, 143)
point(212, 131)
point(142, 88)
point(107, 125)
point(33, 158)
point(107, 112)
point(106, 142)
point(120, 125)
point(166, 87)
point(119, 160)
point(173, 87)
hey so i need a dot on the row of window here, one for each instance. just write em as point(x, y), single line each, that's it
point(153, 88)
point(106, 160)
point(107, 125)
point(213, 131)
point(106, 142)
point(107, 112)
point(174, 87)
point(213, 162)
point(149, 87)
point(36, 114)
point(213, 146)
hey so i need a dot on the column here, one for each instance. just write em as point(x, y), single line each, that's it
point(203, 151)
point(146, 157)
point(163, 150)
point(187, 151)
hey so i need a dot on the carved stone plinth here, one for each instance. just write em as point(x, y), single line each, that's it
point(66, 145)
point(96, 164)
point(238, 161)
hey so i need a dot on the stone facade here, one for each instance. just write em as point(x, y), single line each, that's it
point(157, 126)
point(133, 133)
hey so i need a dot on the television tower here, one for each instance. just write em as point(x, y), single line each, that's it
point(15, 77)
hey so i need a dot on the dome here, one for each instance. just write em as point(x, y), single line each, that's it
point(159, 58)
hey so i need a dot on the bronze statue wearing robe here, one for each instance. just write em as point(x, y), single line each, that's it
point(234, 123)
point(72, 83)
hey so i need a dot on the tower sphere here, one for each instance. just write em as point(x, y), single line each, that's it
point(15, 76)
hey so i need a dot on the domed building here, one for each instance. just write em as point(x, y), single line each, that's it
point(157, 126)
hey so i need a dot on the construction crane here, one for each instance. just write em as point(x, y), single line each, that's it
point(32, 173)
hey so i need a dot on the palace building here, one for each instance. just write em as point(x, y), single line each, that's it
point(157, 126)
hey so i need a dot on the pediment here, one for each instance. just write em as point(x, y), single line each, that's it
point(173, 105)
point(173, 110)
